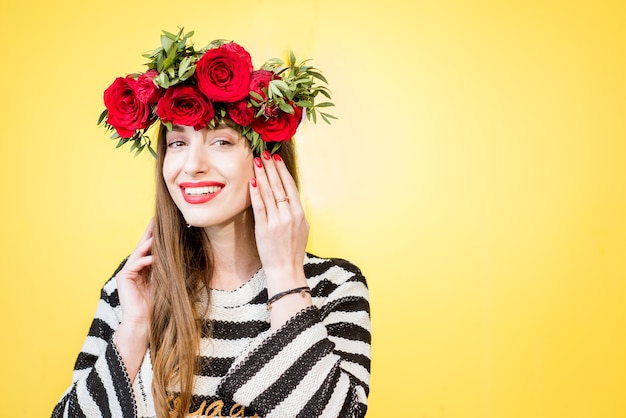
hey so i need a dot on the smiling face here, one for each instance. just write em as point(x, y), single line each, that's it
point(207, 173)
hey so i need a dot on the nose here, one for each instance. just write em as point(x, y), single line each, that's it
point(197, 161)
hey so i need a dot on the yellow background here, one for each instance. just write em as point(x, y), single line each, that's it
point(476, 175)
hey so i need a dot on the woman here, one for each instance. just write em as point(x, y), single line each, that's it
point(219, 311)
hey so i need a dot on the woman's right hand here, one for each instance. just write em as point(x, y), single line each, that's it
point(133, 281)
point(133, 287)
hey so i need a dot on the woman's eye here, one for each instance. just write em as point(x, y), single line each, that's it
point(175, 144)
point(222, 142)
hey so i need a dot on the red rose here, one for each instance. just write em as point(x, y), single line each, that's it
point(146, 90)
point(260, 79)
point(223, 73)
point(126, 113)
point(240, 113)
point(280, 127)
point(185, 105)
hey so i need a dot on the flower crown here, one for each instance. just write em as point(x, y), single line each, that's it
point(183, 86)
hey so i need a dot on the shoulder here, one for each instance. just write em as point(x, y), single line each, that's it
point(316, 266)
point(336, 285)
point(332, 272)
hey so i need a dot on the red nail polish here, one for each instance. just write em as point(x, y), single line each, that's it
point(277, 157)
point(266, 155)
point(257, 162)
point(253, 182)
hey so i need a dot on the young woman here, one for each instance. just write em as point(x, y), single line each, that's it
point(219, 311)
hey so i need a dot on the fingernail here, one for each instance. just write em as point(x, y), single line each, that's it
point(253, 182)
point(266, 155)
point(277, 157)
point(257, 162)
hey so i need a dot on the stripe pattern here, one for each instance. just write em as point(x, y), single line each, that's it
point(316, 365)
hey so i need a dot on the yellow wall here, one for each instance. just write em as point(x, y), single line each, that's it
point(477, 175)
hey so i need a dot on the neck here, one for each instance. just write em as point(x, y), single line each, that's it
point(235, 255)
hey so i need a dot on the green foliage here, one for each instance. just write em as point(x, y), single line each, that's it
point(295, 85)
point(174, 59)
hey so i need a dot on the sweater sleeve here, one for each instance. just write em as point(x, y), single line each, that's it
point(100, 385)
point(318, 363)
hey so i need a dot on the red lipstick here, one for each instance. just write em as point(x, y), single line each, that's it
point(205, 195)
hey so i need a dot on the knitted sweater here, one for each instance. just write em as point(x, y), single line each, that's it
point(316, 365)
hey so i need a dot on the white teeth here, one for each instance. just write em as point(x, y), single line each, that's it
point(196, 191)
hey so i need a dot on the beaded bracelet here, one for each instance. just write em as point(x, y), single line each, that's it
point(301, 290)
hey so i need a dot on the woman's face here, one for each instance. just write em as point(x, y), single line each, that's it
point(207, 173)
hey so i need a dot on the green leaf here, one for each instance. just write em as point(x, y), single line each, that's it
point(318, 76)
point(171, 58)
point(184, 65)
point(304, 103)
point(325, 104)
point(327, 116)
point(170, 35)
point(161, 80)
point(274, 62)
point(280, 84)
point(273, 90)
point(260, 145)
point(292, 58)
point(103, 116)
point(190, 72)
point(286, 108)
point(167, 41)
point(139, 149)
point(324, 92)
point(256, 96)
point(302, 81)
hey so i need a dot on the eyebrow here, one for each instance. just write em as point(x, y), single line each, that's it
point(180, 128)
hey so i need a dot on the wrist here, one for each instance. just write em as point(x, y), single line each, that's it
point(281, 281)
point(131, 331)
point(131, 341)
point(302, 290)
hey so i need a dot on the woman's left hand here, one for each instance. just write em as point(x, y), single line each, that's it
point(281, 228)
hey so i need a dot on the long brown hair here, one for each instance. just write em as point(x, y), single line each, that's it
point(181, 275)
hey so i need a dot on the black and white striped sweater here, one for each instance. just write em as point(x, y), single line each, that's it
point(316, 365)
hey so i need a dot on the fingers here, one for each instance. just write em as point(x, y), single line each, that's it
point(274, 179)
point(289, 185)
point(145, 243)
point(149, 229)
point(281, 229)
point(258, 206)
point(141, 258)
point(268, 184)
point(275, 184)
point(141, 264)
